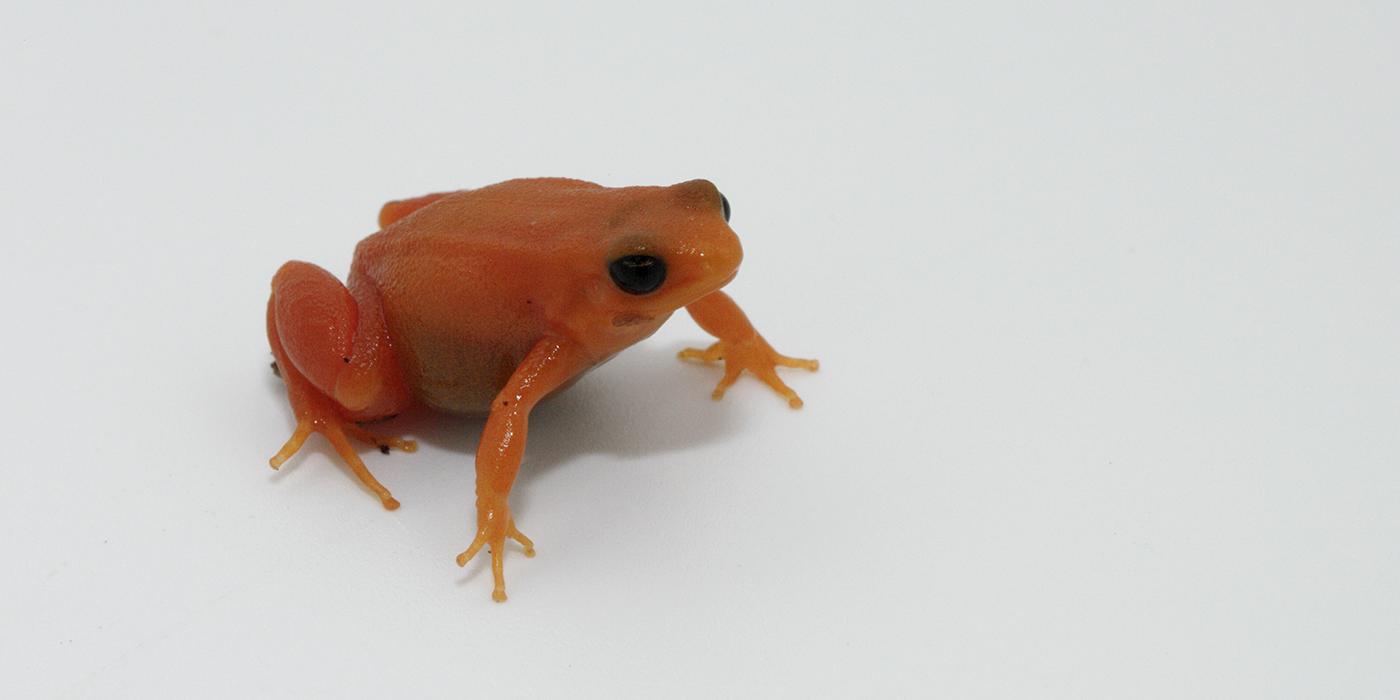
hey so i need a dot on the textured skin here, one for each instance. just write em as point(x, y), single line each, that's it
point(487, 301)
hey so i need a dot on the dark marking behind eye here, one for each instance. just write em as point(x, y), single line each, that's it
point(624, 320)
point(724, 202)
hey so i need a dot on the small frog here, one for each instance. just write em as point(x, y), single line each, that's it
point(489, 300)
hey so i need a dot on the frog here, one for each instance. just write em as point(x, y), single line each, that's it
point(490, 300)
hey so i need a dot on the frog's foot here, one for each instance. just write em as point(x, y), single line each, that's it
point(494, 537)
point(336, 431)
point(754, 355)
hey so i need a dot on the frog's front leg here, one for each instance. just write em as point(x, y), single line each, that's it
point(548, 365)
point(740, 347)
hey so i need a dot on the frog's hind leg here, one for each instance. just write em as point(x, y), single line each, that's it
point(399, 208)
point(331, 351)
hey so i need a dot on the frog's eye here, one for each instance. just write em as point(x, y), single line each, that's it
point(637, 274)
point(724, 202)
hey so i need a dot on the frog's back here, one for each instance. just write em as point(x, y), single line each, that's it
point(510, 209)
point(469, 281)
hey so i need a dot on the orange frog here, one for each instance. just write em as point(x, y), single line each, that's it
point(489, 300)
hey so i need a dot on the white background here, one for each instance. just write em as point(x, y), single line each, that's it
point(1106, 300)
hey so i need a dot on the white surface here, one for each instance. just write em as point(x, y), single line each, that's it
point(1106, 300)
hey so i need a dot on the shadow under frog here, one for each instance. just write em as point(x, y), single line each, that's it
point(636, 406)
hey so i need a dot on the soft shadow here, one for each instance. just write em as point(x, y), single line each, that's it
point(645, 402)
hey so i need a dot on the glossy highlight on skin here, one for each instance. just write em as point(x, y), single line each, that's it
point(489, 300)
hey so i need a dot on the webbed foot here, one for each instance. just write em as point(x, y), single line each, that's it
point(754, 355)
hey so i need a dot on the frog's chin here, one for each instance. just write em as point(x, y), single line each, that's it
point(709, 289)
point(727, 280)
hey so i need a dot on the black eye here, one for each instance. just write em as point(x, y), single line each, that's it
point(724, 202)
point(638, 274)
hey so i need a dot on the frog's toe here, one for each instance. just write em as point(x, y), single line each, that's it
point(731, 375)
point(796, 363)
point(714, 353)
point(494, 540)
point(471, 550)
point(383, 442)
point(524, 541)
point(293, 444)
point(335, 432)
point(771, 378)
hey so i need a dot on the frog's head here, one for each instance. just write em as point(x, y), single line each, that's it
point(671, 246)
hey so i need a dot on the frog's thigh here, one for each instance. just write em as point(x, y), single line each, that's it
point(314, 319)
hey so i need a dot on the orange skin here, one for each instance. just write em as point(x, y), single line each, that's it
point(489, 300)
